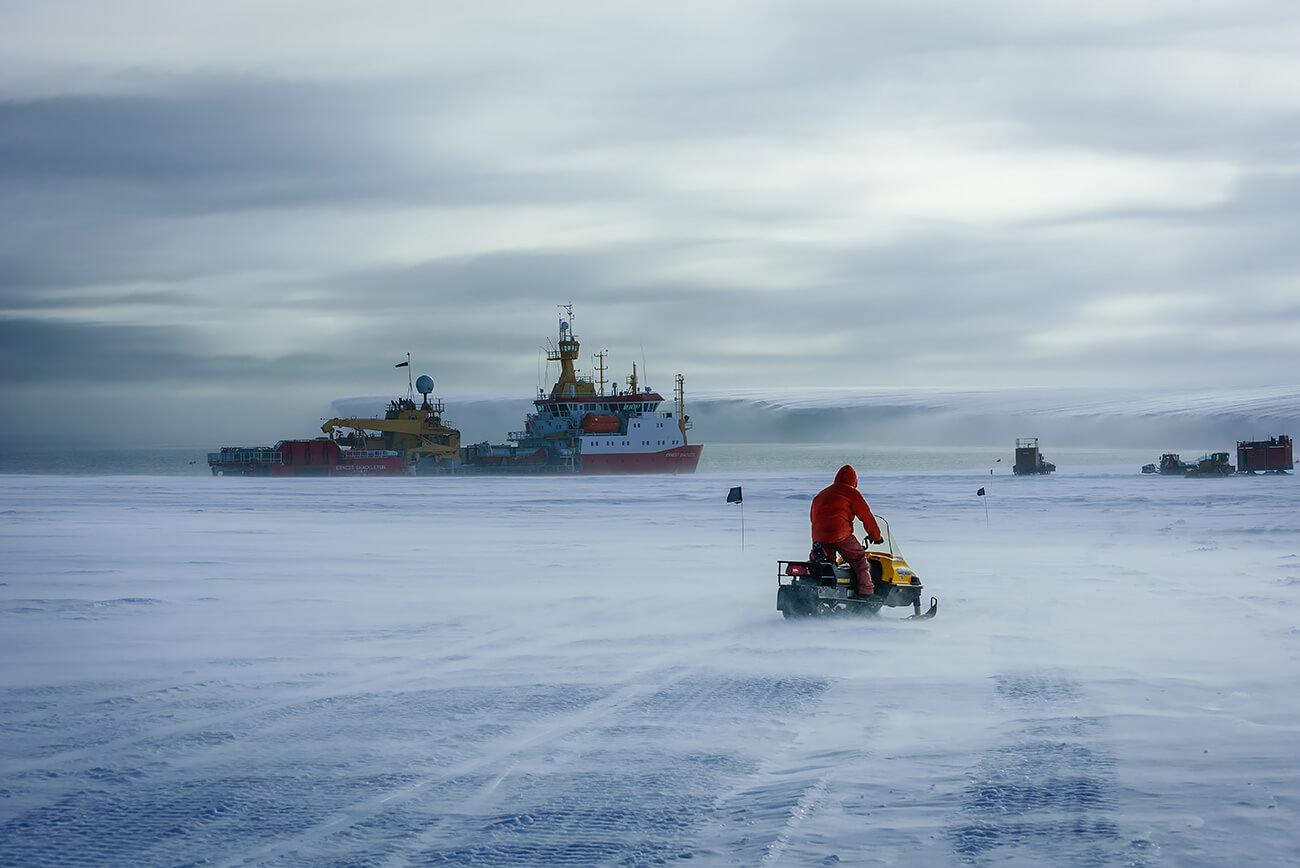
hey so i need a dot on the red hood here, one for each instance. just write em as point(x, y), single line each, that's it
point(847, 475)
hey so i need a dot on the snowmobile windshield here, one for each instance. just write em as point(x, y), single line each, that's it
point(888, 546)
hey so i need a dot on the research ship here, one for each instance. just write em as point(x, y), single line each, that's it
point(593, 426)
point(409, 438)
point(579, 426)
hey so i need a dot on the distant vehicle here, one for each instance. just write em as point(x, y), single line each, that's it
point(1213, 464)
point(812, 588)
point(1265, 456)
point(1029, 460)
point(1170, 465)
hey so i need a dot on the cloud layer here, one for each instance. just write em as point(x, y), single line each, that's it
point(271, 204)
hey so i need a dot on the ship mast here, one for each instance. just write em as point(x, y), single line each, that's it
point(600, 368)
point(683, 421)
point(566, 353)
point(410, 384)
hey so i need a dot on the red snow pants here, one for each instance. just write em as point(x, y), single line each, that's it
point(856, 556)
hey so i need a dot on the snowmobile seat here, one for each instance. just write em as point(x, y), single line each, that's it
point(822, 573)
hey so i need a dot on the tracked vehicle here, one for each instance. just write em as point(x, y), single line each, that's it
point(817, 587)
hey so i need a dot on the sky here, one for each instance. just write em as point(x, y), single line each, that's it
point(219, 217)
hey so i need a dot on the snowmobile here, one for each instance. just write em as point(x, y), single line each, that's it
point(816, 586)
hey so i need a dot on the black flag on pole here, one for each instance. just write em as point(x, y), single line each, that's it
point(401, 364)
point(979, 493)
point(733, 496)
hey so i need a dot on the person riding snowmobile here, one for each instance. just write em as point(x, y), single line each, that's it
point(832, 513)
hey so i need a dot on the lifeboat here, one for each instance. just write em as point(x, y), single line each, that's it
point(600, 423)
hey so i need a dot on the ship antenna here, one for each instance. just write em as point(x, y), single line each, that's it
point(566, 321)
point(410, 385)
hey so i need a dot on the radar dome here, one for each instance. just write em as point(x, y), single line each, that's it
point(424, 385)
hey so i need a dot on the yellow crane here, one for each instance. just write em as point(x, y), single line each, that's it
point(415, 431)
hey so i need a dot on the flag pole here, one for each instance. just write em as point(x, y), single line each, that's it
point(410, 384)
point(985, 496)
point(736, 496)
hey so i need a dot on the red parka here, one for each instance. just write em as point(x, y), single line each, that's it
point(835, 506)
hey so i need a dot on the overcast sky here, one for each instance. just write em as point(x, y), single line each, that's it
point(223, 208)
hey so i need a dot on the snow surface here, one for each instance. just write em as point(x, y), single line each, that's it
point(591, 671)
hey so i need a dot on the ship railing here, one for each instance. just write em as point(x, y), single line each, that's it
point(246, 456)
point(371, 453)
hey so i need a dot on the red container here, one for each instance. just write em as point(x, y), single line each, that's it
point(1265, 455)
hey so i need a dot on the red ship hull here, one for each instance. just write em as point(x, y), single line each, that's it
point(679, 459)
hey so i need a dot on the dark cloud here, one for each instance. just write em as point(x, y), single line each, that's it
point(236, 145)
point(33, 351)
point(246, 144)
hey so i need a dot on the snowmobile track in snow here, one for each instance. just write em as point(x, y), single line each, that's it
point(602, 783)
point(1048, 794)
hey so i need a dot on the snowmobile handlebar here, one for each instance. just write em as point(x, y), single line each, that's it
point(884, 539)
